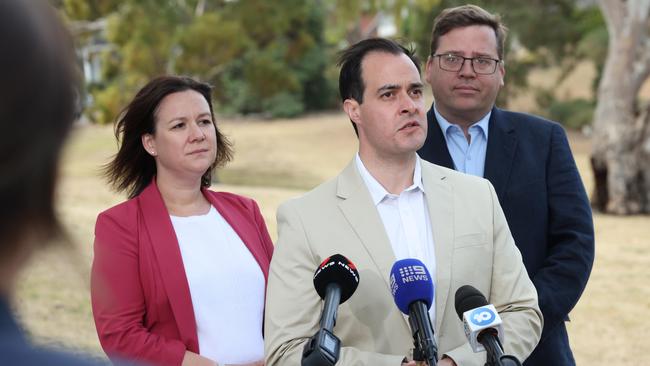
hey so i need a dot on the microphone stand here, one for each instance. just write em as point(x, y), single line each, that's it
point(425, 346)
point(495, 356)
point(323, 349)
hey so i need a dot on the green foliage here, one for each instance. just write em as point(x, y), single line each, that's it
point(573, 113)
point(108, 101)
point(284, 70)
point(262, 57)
point(278, 58)
point(89, 9)
point(209, 44)
point(283, 105)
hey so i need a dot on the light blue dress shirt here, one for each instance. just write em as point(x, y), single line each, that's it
point(468, 157)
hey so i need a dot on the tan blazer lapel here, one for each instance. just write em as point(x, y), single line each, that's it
point(358, 209)
point(440, 203)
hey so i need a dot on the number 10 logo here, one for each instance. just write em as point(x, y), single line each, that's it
point(482, 316)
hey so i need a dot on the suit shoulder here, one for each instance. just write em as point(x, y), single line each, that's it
point(529, 121)
point(455, 175)
point(462, 183)
point(232, 199)
point(316, 196)
point(125, 211)
point(121, 220)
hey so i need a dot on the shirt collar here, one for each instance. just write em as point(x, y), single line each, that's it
point(445, 125)
point(377, 191)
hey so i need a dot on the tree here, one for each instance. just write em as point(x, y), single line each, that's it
point(621, 143)
point(262, 57)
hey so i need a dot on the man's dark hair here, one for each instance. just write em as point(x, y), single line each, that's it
point(38, 94)
point(465, 16)
point(132, 168)
point(351, 84)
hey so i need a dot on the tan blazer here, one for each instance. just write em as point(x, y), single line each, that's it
point(473, 246)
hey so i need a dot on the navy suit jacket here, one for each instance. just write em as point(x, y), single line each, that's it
point(16, 350)
point(530, 165)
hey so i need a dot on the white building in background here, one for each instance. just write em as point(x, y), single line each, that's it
point(91, 44)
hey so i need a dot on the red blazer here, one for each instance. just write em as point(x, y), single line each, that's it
point(140, 296)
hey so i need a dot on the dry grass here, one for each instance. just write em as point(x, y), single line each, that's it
point(278, 160)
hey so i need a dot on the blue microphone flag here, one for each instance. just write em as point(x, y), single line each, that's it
point(410, 281)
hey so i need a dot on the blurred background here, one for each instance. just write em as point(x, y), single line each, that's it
point(278, 58)
point(582, 63)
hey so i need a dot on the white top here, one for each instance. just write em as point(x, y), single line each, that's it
point(227, 288)
point(406, 220)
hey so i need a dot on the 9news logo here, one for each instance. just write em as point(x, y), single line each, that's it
point(482, 316)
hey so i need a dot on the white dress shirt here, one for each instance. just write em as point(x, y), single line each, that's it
point(406, 219)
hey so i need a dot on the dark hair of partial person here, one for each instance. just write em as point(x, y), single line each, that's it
point(465, 16)
point(351, 84)
point(38, 102)
point(132, 168)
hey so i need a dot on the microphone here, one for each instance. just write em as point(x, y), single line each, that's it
point(412, 289)
point(483, 326)
point(335, 281)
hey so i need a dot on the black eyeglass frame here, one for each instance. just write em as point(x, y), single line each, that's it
point(471, 62)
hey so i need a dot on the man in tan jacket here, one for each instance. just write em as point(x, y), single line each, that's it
point(387, 205)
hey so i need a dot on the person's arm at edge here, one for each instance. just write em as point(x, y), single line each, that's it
point(565, 272)
point(513, 293)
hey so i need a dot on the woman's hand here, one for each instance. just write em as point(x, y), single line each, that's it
point(193, 359)
point(256, 363)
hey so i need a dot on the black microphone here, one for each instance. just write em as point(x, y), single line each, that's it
point(335, 281)
point(482, 326)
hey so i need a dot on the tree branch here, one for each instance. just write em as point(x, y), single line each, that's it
point(639, 13)
point(641, 69)
point(614, 14)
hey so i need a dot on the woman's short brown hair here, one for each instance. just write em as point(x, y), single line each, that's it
point(132, 168)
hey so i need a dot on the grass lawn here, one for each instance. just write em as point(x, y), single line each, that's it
point(281, 159)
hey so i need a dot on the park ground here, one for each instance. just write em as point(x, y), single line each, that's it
point(277, 160)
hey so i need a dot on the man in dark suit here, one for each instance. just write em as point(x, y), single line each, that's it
point(527, 159)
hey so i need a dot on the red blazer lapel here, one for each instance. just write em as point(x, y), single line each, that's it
point(159, 227)
point(242, 221)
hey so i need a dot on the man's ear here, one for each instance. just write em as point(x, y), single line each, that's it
point(351, 107)
point(502, 71)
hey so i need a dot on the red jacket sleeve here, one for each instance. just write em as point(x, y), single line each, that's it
point(118, 301)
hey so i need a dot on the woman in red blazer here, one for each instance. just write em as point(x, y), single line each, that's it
point(179, 271)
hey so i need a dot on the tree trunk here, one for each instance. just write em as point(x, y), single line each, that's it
point(621, 147)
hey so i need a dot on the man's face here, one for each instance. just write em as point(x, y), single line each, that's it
point(464, 97)
point(391, 120)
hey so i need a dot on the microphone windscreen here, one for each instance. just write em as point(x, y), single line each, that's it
point(468, 298)
point(410, 281)
point(338, 270)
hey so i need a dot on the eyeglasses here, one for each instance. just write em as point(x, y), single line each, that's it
point(480, 65)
